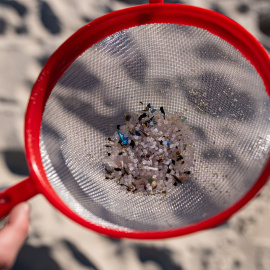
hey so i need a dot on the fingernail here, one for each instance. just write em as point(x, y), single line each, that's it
point(24, 208)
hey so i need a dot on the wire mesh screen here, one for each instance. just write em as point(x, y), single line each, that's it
point(184, 69)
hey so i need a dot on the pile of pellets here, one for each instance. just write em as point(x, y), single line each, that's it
point(151, 153)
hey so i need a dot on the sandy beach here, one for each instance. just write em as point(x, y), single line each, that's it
point(30, 31)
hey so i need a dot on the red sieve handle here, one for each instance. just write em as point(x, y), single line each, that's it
point(155, 1)
point(16, 194)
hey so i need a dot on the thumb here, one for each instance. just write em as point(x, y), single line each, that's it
point(13, 235)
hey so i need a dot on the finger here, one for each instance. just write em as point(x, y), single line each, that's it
point(13, 235)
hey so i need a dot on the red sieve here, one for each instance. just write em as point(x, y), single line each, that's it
point(183, 58)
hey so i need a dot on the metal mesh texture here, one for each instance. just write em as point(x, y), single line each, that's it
point(184, 69)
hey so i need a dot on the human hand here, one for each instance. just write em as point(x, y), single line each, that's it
point(13, 235)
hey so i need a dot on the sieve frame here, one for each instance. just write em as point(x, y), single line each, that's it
point(97, 30)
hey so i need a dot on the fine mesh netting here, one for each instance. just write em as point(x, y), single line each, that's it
point(184, 69)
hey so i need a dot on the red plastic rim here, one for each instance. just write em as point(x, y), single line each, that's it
point(107, 25)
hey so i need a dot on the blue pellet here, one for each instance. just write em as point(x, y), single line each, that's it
point(123, 138)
